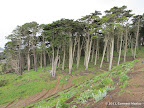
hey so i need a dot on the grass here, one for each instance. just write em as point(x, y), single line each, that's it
point(29, 83)
point(22, 86)
point(90, 87)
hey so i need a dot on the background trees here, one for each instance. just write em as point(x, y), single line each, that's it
point(65, 42)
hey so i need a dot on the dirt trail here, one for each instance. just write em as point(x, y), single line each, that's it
point(41, 95)
point(33, 98)
point(132, 96)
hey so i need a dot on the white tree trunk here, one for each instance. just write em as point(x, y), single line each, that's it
point(108, 52)
point(111, 52)
point(125, 48)
point(87, 51)
point(41, 60)
point(63, 64)
point(28, 62)
point(96, 54)
point(137, 36)
point(78, 53)
point(54, 62)
point(132, 51)
point(70, 55)
point(120, 49)
point(93, 51)
point(105, 46)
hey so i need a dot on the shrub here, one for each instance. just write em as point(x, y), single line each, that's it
point(61, 104)
point(3, 82)
point(107, 81)
point(123, 78)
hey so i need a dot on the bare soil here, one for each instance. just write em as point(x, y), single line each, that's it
point(132, 95)
point(38, 96)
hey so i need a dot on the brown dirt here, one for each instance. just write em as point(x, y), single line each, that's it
point(134, 93)
point(35, 97)
point(41, 95)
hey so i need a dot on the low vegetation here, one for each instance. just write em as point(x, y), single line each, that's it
point(78, 60)
point(95, 88)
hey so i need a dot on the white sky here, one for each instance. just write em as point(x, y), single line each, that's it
point(18, 12)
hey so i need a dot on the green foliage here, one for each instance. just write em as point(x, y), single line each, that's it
point(96, 94)
point(61, 104)
point(85, 95)
point(123, 78)
point(100, 95)
point(15, 86)
point(124, 84)
point(3, 82)
point(74, 106)
point(63, 81)
point(107, 81)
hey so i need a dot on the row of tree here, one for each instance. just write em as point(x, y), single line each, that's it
point(63, 42)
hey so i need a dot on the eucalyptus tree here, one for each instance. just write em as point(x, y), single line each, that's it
point(14, 49)
point(108, 31)
point(50, 32)
point(73, 30)
point(96, 33)
point(141, 31)
point(80, 40)
point(128, 15)
point(115, 17)
point(30, 31)
point(136, 22)
point(88, 38)
point(56, 35)
point(42, 44)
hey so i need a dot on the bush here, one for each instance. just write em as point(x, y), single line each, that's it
point(124, 84)
point(61, 104)
point(123, 78)
point(3, 82)
point(107, 81)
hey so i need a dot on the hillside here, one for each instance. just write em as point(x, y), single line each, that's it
point(38, 89)
point(89, 62)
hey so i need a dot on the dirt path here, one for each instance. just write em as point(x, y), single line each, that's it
point(33, 98)
point(41, 95)
point(132, 96)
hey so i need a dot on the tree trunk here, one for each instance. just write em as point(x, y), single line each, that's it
point(132, 51)
point(63, 64)
point(125, 48)
point(34, 57)
point(105, 46)
point(108, 52)
point(93, 50)
point(137, 36)
point(78, 53)
point(111, 52)
point(120, 49)
point(96, 54)
point(52, 71)
point(41, 60)
point(44, 54)
point(73, 50)
point(54, 62)
point(19, 54)
point(87, 51)
point(59, 61)
point(70, 55)
point(118, 44)
point(28, 62)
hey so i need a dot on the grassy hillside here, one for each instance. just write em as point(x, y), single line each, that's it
point(95, 88)
point(85, 84)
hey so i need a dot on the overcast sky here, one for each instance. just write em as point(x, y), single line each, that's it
point(18, 12)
